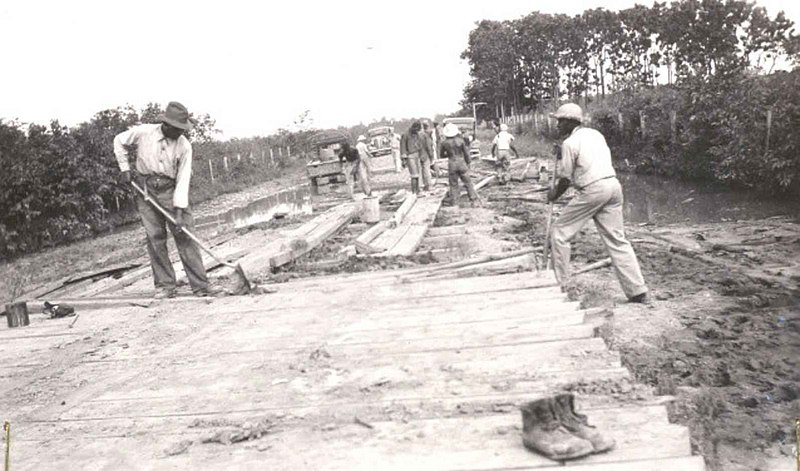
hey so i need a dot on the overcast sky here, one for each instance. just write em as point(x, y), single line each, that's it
point(253, 66)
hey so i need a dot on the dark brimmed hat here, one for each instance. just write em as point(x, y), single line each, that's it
point(176, 115)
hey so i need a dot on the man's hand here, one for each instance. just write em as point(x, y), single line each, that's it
point(558, 189)
point(404, 161)
point(179, 219)
point(125, 178)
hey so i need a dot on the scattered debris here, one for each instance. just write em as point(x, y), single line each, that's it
point(362, 423)
point(244, 432)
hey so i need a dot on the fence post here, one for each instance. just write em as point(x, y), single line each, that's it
point(116, 200)
point(238, 157)
point(769, 130)
point(271, 156)
point(280, 151)
point(211, 170)
point(621, 123)
point(225, 162)
point(673, 125)
point(642, 123)
point(288, 151)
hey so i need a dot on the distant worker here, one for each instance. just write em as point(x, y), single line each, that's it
point(415, 151)
point(396, 152)
point(364, 154)
point(455, 149)
point(501, 145)
point(430, 132)
point(354, 169)
point(164, 170)
point(585, 164)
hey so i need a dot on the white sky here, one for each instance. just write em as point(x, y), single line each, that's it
point(253, 66)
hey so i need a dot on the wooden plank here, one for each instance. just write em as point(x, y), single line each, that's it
point(363, 240)
point(410, 241)
point(406, 235)
point(474, 443)
point(486, 181)
point(458, 229)
point(403, 210)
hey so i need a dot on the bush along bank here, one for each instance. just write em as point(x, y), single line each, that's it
point(737, 129)
point(59, 184)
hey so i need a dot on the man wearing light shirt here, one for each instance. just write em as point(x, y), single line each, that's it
point(164, 169)
point(585, 164)
point(502, 145)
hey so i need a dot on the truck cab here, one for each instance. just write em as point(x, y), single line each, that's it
point(380, 140)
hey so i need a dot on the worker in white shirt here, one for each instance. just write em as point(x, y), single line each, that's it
point(164, 169)
point(585, 164)
point(502, 145)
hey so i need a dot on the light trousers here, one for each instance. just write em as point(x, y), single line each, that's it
point(602, 202)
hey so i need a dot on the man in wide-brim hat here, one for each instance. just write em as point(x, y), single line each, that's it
point(164, 170)
point(456, 150)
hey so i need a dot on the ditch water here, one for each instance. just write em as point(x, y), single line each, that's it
point(663, 201)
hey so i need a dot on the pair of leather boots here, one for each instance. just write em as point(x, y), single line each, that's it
point(553, 428)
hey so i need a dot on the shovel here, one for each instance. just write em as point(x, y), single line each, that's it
point(549, 227)
point(243, 287)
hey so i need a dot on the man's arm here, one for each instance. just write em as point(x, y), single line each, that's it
point(514, 149)
point(563, 172)
point(183, 177)
point(465, 149)
point(121, 140)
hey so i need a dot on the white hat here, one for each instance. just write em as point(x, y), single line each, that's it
point(361, 138)
point(504, 127)
point(569, 111)
point(450, 130)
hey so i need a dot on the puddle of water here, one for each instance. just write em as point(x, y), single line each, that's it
point(659, 200)
point(291, 202)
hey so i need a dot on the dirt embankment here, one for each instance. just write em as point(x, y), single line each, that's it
point(723, 333)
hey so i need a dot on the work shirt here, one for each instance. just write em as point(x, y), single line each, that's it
point(157, 155)
point(503, 140)
point(455, 149)
point(585, 158)
point(363, 151)
point(415, 143)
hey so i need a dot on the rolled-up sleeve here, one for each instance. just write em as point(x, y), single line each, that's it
point(180, 198)
point(127, 138)
point(566, 164)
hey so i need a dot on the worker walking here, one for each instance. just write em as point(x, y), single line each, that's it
point(164, 170)
point(455, 149)
point(396, 152)
point(354, 169)
point(364, 154)
point(585, 164)
point(502, 145)
point(415, 151)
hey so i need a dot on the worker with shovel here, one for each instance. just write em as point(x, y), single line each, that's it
point(585, 164)
point(164, 169)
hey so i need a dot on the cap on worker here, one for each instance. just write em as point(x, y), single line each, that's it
point(176, 115)
point(569, 111)
point(450, 130)
point(361, 137)
point(504, 127)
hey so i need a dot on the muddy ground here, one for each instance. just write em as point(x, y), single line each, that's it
point(722, 335)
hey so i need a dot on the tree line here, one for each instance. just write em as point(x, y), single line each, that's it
point(540, 58)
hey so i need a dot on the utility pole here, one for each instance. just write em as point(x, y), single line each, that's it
point(475, 105)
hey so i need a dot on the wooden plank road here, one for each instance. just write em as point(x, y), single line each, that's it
point(367, 371)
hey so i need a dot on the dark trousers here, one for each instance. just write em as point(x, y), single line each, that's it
point(155, 225)
point(459, 170)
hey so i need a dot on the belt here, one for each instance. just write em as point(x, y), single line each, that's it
point(595, 181)
point(157, 181)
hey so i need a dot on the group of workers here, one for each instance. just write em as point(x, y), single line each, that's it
point(163, 166)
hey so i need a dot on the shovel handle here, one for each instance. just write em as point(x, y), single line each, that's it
point(171, 219)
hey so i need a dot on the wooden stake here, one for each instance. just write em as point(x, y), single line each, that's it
point(769, 129)
point(211, 170)
point(225, 162)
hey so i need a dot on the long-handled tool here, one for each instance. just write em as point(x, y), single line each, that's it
point(549, 227)
point(243, 287)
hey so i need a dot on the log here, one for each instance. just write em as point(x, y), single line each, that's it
point(330, 224)
point(479, 260)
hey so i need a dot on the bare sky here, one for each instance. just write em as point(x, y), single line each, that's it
point(253, 66)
